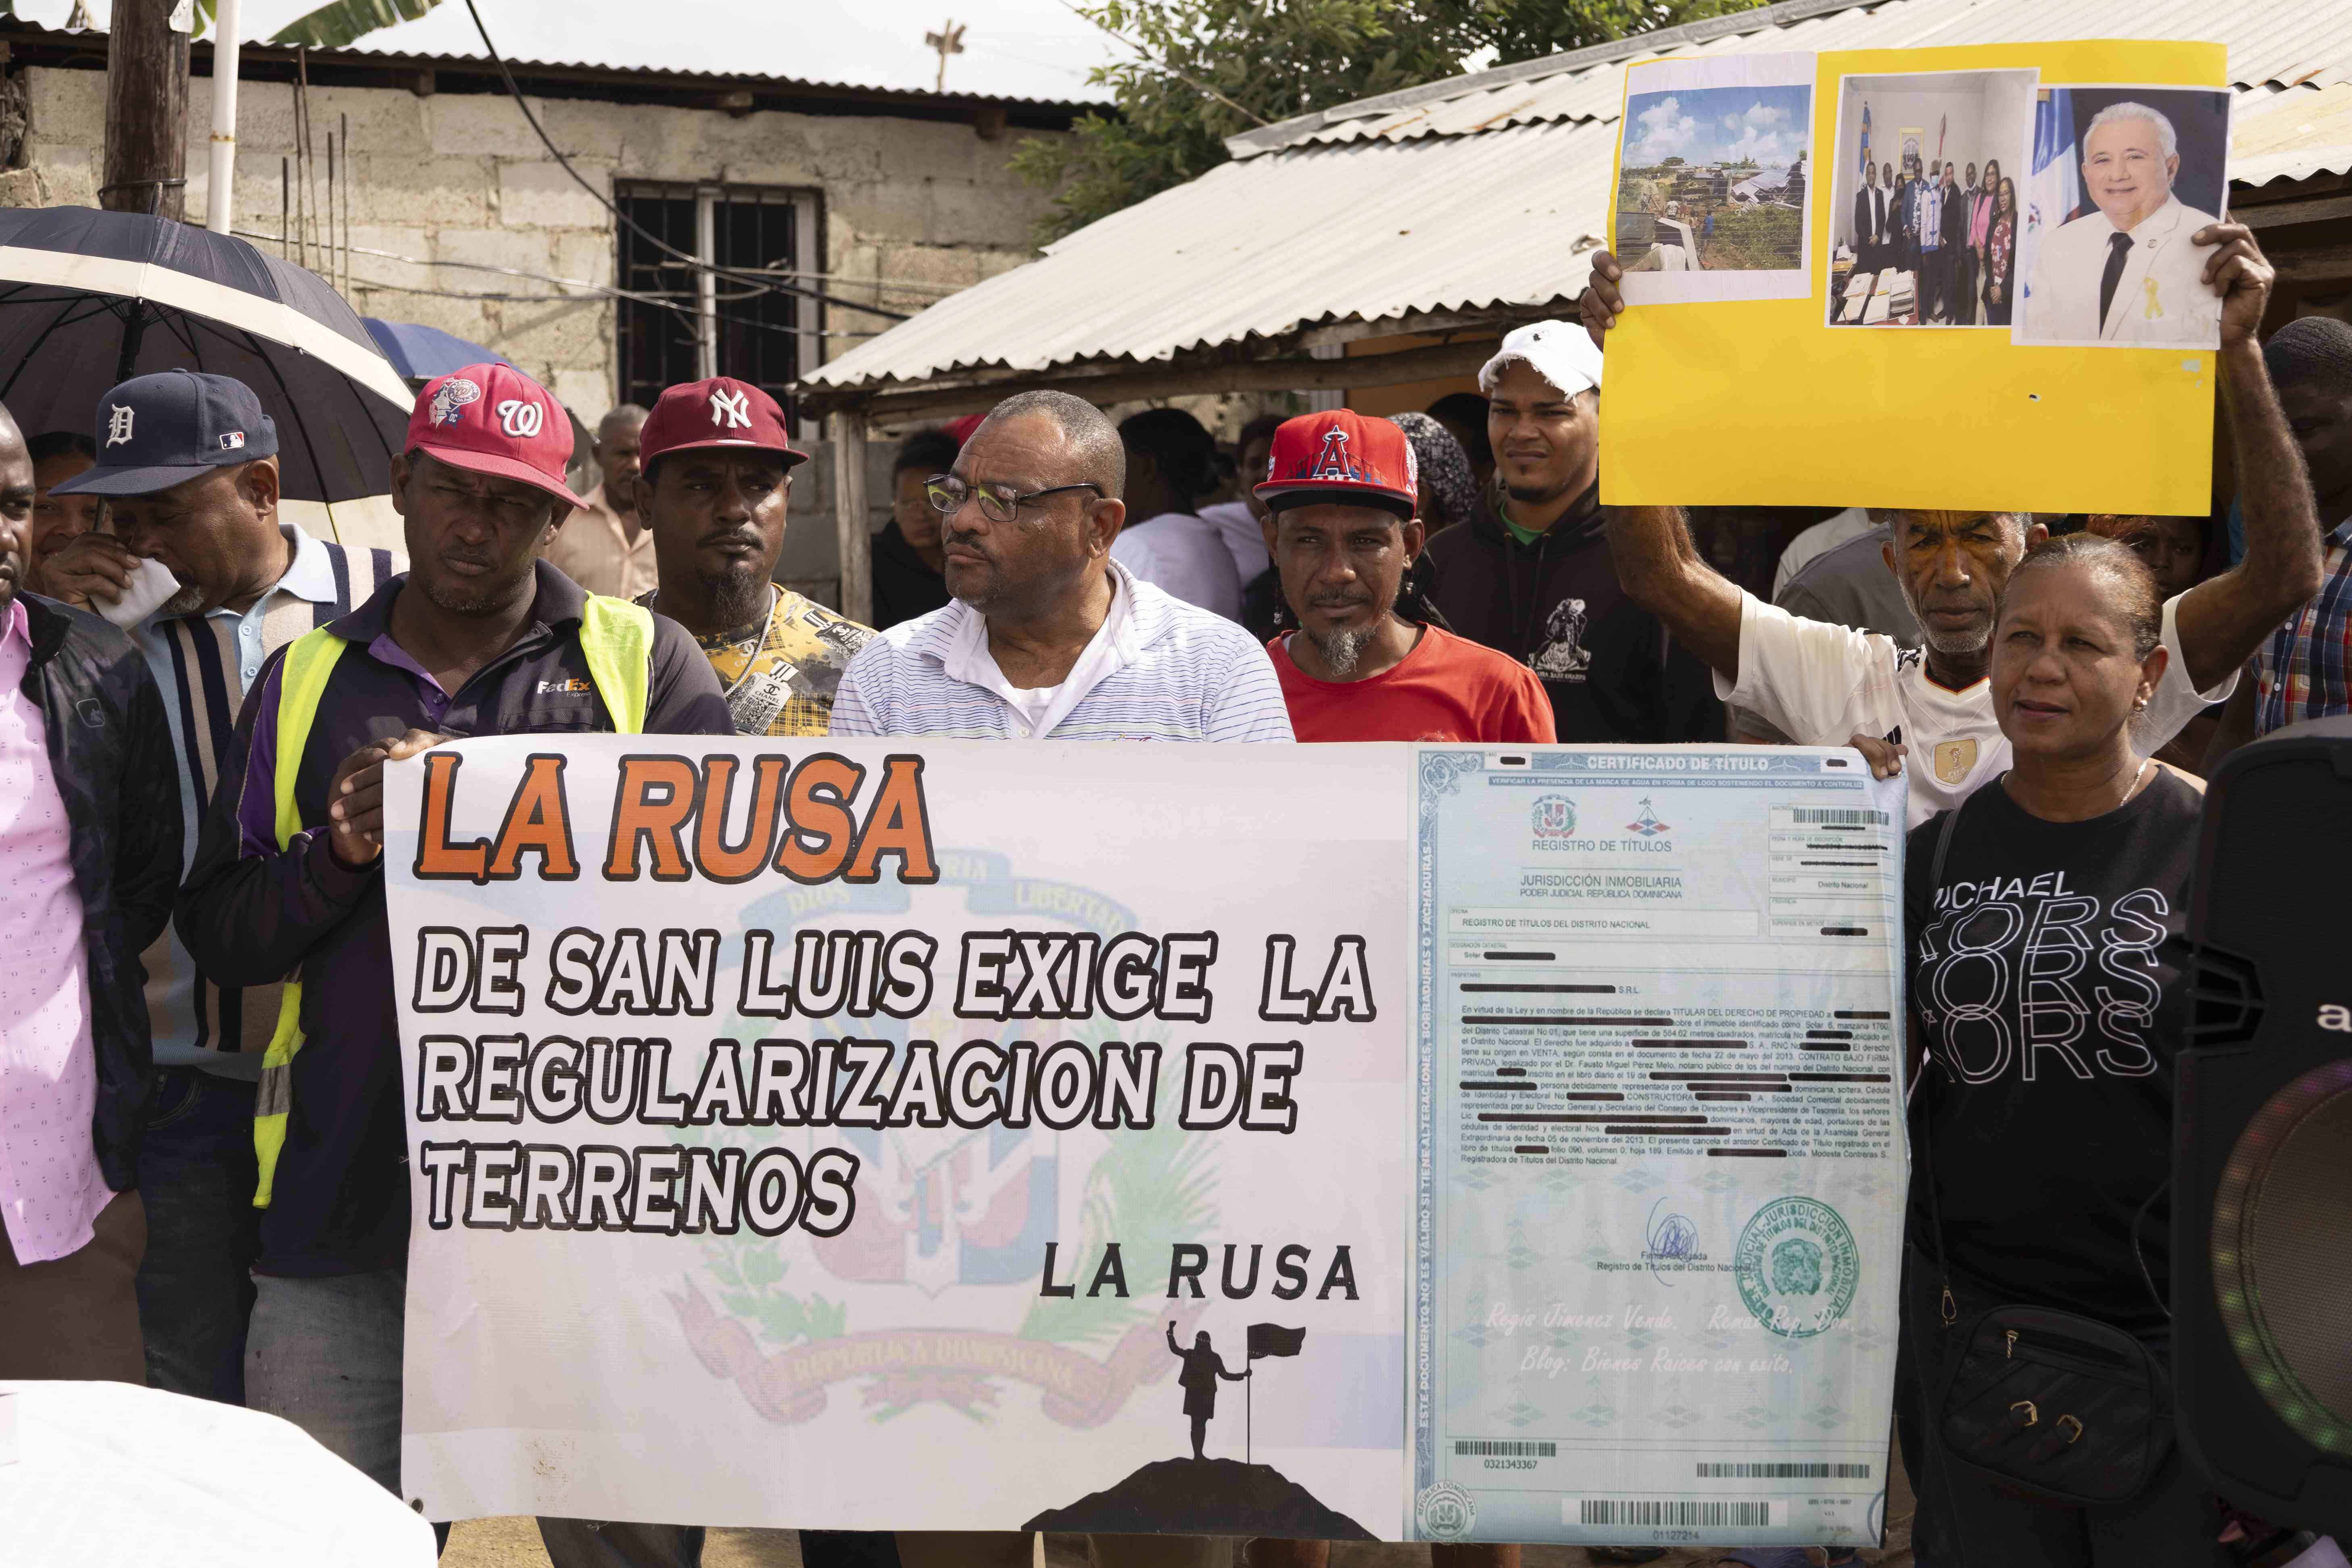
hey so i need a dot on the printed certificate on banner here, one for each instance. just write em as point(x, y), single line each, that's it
point(1661, 1163)
point(902, 1135)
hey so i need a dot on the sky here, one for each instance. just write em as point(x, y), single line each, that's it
point(1013, 49)
point(1718, 124)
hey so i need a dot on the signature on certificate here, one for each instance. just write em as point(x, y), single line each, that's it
point(1670, 1237)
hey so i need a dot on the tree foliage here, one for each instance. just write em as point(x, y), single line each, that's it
point(1198, 71)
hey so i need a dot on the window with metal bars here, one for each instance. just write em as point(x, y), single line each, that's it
point(693, 323)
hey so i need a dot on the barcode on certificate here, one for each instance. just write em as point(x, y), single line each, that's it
point(1780, 1470)
point(1674, 1514)
point(1497, 1448)
point(1836, 817)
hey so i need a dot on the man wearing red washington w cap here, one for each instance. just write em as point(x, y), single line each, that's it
point(1342, 496)
point(478, 637)
point(716, 460)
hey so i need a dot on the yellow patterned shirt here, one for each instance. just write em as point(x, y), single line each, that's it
point(782, 682)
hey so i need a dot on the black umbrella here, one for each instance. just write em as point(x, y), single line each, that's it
point(89, 299)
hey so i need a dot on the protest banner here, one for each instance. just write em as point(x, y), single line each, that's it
point(902, 1135)
point(1756, 365)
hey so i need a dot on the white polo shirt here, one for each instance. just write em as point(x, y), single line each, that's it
point(1821, 685)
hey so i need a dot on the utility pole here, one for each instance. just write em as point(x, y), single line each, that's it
point(947, 41)
point(146, 111)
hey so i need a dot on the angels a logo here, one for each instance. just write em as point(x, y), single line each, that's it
point(453, 395)
point(1553, 817)
point(1334, 462)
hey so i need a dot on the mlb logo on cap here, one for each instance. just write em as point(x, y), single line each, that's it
point(1344, 457)
point(493, 419)
point(720, 412)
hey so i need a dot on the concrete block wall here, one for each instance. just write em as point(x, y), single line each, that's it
point(459, 177)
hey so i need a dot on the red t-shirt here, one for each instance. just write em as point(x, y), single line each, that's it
point(1444, 689)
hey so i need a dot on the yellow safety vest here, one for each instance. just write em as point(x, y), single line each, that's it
point(617, 638)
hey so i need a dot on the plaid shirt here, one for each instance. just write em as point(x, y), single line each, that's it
point(2306, 670)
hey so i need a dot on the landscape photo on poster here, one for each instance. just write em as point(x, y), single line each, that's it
point(1712, 176)
point(2149, 162)
point(1924, 173)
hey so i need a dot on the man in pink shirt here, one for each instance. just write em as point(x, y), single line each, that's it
point(89, 857)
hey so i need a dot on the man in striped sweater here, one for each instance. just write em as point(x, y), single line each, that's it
point(1046, 635)
point(190, 468)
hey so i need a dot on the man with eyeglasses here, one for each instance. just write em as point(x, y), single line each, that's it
point(1046, 635)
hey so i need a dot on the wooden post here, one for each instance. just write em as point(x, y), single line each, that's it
point(146, 111)
point(846, 430)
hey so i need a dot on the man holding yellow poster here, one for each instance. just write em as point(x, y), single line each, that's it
point(1822, 685)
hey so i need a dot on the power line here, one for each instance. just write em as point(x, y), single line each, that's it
point(515, 92)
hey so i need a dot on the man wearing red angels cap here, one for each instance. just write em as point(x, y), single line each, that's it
point(716, 466)
point(478, 637)
point(1342, 496)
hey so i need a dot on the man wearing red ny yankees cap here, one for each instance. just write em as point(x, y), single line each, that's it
point(716, 460)
point(478, 637)
point(1342, 496)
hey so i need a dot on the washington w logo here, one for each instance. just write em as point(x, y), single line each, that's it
point(521, 417)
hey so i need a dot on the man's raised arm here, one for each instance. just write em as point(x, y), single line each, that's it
point(2221, 621)
point(1657, 561)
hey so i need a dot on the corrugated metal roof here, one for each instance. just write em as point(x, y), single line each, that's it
point(2291, 135)
point(1493, 194)
point(380, 56)
point(2273, 43)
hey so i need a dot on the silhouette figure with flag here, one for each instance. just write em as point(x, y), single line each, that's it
point(1264, 1340)
point(1202, 1367)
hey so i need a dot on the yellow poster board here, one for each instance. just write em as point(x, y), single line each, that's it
point(1773, 401)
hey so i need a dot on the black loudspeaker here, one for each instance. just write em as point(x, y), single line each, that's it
point(2262, 1208)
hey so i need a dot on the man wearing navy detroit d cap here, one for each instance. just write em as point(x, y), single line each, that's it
point(478, 637)
point(1341, 521)
point(189, 465)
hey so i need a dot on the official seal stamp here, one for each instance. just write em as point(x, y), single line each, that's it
point(1445, 1511)
point(1797, 1265)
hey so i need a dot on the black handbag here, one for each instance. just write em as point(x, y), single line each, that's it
point(2037, 1400)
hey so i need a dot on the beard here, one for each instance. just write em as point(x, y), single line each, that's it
point(739, 598)
point(456, 600)
point(1954, 644)
point(1341, 650)
point(188, 601)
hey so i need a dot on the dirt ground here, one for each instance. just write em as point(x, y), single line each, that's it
point(514, 1543)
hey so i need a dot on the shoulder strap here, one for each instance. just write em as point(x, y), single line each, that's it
point(1927, 1166)
point(617, 638)
point(301, 682)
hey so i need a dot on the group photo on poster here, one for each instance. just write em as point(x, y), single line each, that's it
point(2123, 178)
point(1711, 187)
point(1923, 198)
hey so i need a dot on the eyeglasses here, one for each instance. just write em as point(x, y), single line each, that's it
point(947, 494)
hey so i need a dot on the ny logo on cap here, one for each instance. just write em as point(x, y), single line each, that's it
point(118, 425)
point(732, 409)
point(521, 417)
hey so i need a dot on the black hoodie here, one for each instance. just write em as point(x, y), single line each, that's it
point(1614, 674)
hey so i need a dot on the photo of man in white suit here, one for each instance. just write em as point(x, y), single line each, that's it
point(2132, 271)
